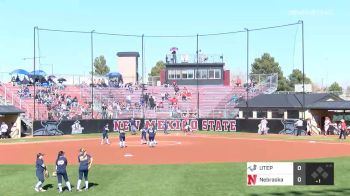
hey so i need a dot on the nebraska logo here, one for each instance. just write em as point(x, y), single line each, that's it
point(252, 179)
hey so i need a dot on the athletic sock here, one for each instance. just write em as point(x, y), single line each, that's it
point(69, 186)
point(86, 185)
point(38, 184)
point(78, 184)
point(60, 187)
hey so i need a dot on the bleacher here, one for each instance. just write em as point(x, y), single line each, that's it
point(215, 101)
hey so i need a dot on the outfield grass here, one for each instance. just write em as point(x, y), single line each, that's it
point(167, 180)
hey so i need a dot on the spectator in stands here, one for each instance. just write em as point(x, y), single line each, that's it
point(128, 99)
point(176, 89)
point(152, 103)
point(238, 82)
point(146, 99)
point(166, 96)
point(13, 80)
point(3, 130)
point(104, 111)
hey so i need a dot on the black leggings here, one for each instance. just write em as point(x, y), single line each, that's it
point(342, 133)
point(83, 173)
point(59, 177)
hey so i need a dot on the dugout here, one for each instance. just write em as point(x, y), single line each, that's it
point(290, 106)
point(184, 70)
point(11, 115)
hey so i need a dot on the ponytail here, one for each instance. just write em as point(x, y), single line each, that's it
point(60, 153)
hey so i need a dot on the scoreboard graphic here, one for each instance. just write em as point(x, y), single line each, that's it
point(289, 173)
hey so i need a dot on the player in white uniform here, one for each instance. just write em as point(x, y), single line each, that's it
point(263, 129)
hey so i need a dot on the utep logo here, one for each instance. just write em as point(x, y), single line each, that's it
point(252, 168)
point(252, 179)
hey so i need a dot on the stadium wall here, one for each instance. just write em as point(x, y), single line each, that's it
point(63, 127)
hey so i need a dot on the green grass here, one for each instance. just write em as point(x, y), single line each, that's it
point(168, 180)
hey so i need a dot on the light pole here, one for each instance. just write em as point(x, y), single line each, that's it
point(303, 61)
point(247, 86)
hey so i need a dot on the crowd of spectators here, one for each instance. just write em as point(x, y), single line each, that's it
point(168, 99)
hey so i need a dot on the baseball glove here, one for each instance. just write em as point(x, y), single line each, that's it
point(54, 174)
point(46, 174)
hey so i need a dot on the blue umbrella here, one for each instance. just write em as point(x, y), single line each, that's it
point(19, 71)
point(38, 73)
point(114, 74)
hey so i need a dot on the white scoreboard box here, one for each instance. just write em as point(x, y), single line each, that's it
point(270, 174)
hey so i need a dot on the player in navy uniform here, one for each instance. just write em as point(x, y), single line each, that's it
point(132, 125)
point(151, 135)
point(105, 135)
point(122, 143)
point(144, 131)
point(85, 162)
point(188, 127)
point(61, 165)
point(40, 169)
point(166, 124)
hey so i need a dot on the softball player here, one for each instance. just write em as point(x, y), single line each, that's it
point(61, 165)
point(188, 127)
point(40, 169)
point(151, 135)
point(132, 125)
point(122, 138)
point(105, 135)
point(166, 124)
point(85, 162)
point(144, 135)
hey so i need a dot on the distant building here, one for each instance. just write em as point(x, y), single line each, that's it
point(184, 70)
point(128, 66)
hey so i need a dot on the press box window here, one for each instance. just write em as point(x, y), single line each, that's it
point(171, 74)
point(202, 74)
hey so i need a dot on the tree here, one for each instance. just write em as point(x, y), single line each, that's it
point(155, 71)
point(267, 65)
point(296, 77)
point(335, 87)
point(101, 68)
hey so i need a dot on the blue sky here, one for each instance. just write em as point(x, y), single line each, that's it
point(327, 33)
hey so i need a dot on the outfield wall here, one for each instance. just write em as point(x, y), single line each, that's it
point(277, 126)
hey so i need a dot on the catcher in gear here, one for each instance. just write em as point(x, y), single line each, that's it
point(41, 172)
